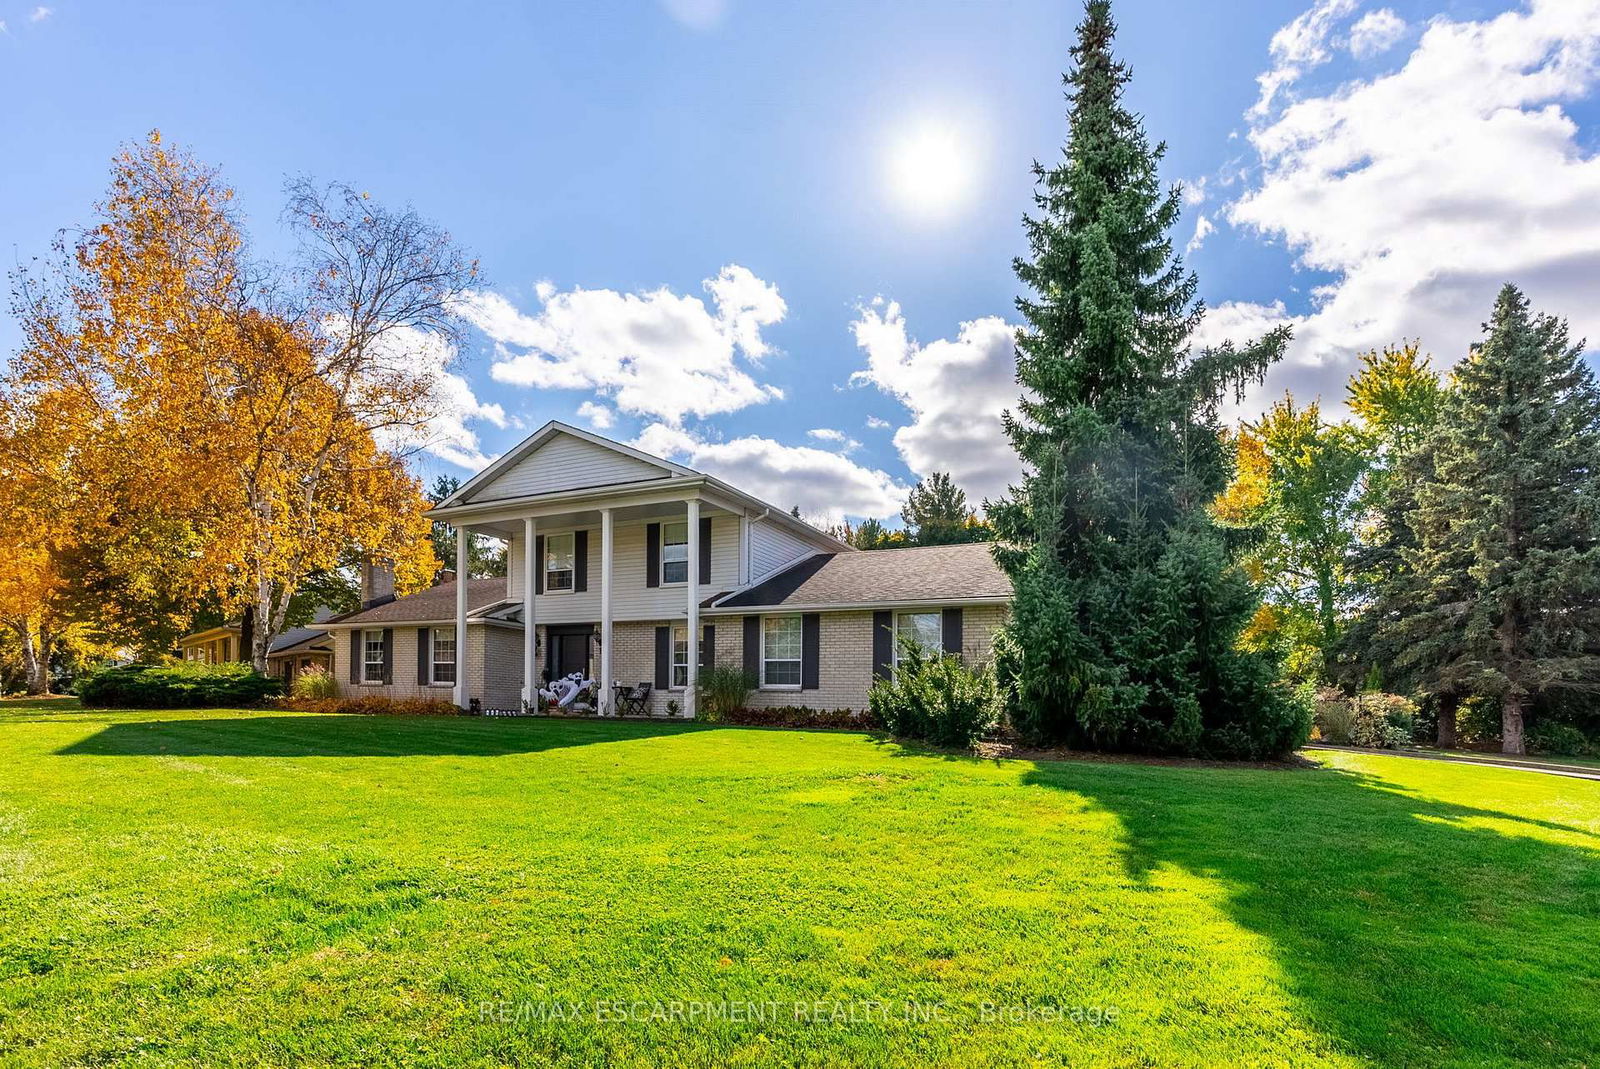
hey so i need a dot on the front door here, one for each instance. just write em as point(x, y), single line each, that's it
point(569, 652)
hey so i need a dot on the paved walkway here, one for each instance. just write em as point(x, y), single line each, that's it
point(1520, 764)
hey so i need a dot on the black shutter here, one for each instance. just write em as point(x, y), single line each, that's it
point(388, 656)
point(705, 550)
point(810, 660)
point(708, 659)
point(663, 658)
point(882, 645)
point(952, 631)
point(424, 658)
point(355, 656)
point(652, 554)
point(752, 646)
point(538, 565)
point(580, 560)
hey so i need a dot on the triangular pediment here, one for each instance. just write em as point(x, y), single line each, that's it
point(558, 457)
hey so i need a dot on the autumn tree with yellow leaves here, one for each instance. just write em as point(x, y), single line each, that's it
point(254, 417)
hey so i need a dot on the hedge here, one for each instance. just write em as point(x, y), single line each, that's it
point(188, 685)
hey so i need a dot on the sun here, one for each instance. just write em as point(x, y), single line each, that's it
point(932, 167)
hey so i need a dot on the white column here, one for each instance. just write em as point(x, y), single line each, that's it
point(463, 539)
point(605, 613)
point(694, 608)
point(530, 681)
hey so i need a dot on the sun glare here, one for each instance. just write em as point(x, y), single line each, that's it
point(931, 169)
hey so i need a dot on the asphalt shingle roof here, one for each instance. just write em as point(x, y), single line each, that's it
point(434, 603)
point(883, 576)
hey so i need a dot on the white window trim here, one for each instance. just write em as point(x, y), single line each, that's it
point(938, 650)
point(544, 564)
point(365, 663)
point(661, 565)
point(433, 657)
point(672, 659)
point(801, 660)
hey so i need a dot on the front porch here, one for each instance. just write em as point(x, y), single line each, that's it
point(607, 570)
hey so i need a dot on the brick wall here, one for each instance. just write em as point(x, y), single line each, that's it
point(494, 660)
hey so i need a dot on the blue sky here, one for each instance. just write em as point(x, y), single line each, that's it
point(1366, 171)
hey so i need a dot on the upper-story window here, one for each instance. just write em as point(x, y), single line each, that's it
point(675, 553)
point(558, 562)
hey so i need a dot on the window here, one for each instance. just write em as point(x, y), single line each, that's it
point(675, 553)
point(444, 654)
point(558, 562)
point(780, 651)
point(372, 657)
point(680, 654)
point(926, 629)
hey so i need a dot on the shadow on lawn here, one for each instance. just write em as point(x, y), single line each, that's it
point(357, 736)
point(1404, 926)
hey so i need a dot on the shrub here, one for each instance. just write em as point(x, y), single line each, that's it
point(1562, 739)
point(801, 716)
point(185, 685)
point(720, 691)
point(937, 698)
point(1372, 719)
point(315, 682)
point(374, 705)
point(1335, 716)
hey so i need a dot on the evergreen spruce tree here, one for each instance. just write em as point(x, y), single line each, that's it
point(1502, 594)
point(1128, 606)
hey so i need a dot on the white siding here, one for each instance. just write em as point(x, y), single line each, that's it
point(631, 599)
point(566, 463)
point(771, 547)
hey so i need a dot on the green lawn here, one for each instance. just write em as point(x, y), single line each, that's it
point(282, 889)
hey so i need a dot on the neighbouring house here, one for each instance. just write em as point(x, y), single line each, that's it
point(627, 555)
point(291, 653)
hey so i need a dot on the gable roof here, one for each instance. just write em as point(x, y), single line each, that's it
point(295, 636)
point(966, 572)
point(435, 604)
point(508, 460)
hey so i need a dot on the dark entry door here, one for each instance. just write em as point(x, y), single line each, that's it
point(569, 652)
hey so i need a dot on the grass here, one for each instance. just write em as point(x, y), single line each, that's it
point(233, 888)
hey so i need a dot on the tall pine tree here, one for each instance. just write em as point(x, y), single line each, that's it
point(1502, 593)
point(1128, 605)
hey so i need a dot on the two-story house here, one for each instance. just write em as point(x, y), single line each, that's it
point(616, 557)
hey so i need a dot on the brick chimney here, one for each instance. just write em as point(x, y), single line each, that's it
point(446, 575)
point(377, 582)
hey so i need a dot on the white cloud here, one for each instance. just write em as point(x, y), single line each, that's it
point(1297, 47)
point(839, 439)
point(1195, 192)
point(1376, 32)
point(825, 484)
point(1203, 228)
point(955, 389)
point(596, 415)
point(40, 13)
point(697, 14)
point(877, 424)
point(1422, 189)
point(656, 354)
point(451, 402)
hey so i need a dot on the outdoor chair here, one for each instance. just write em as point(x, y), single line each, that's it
point(634, 700)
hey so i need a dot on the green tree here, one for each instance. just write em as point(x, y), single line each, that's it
point(1128, 608)
point(486, 559)
point(1502, 594)
point(1396, 398)
point(936, 514)
point(869, 534)
point(1296, 488)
